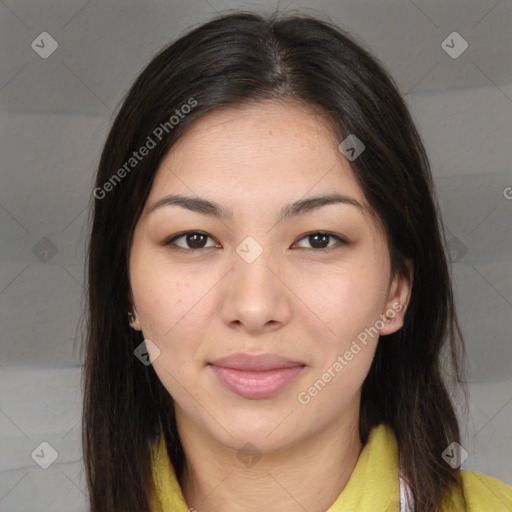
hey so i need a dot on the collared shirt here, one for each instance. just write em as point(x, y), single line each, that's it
point(375, 485)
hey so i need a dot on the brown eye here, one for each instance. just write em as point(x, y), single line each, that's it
point(320, 240)
point(196, 240)
point(192, 240)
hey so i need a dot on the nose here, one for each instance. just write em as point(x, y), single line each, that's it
point(256, 297)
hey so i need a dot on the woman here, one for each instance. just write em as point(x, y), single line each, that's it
point(269, 295)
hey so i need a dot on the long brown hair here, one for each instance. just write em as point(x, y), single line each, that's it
point(234, 59)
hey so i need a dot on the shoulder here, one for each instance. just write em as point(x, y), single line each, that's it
point(485, 493)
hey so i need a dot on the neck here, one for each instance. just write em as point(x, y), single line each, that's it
point(307, 475)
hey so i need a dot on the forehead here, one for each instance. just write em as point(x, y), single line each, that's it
point(269, 143)
point(267, 121)
point(260, 154)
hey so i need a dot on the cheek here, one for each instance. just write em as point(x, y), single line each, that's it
point(168, 302)
point(347, 382)
point(346, 301)
point(175, 314)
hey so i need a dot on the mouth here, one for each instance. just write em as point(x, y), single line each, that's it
point(256, 377)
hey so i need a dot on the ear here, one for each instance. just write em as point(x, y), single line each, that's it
point(133, 318)
point(399, 296)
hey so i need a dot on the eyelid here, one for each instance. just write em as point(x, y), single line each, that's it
point(173, 238)
point(341, 240)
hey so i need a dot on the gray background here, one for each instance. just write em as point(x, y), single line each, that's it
point(55, 114)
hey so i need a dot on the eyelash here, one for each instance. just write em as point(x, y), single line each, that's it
point(342, 241)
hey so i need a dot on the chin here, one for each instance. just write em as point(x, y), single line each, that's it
point(247, 440)
point(268, 433)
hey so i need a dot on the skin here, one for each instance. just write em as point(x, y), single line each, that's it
point(297, 299)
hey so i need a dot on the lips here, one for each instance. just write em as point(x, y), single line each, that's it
point(250, 362)
point(256, 377)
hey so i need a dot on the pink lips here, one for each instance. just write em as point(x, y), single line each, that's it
point(258, 376)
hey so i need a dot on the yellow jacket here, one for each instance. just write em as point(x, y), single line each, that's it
point(372, 487)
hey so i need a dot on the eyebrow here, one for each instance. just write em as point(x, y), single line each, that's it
point(206, 207)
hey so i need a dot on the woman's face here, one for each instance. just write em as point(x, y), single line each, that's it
point(260, 279)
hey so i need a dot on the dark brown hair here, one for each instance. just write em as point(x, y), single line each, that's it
point(232, 60)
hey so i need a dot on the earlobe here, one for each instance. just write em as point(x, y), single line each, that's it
point(398, 300)
point(133, 320)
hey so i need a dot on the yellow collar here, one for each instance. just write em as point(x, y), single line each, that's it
point(372, 486)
